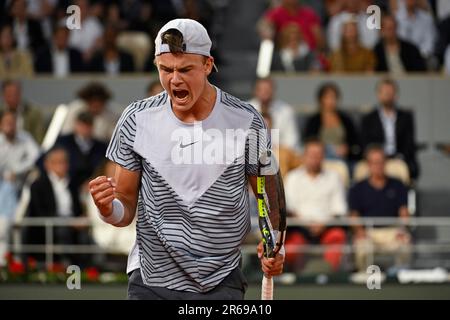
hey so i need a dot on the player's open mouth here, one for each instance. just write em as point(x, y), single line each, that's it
point(180, 94)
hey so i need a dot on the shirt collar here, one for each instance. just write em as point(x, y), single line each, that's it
point(383, 114)
point(55, 179)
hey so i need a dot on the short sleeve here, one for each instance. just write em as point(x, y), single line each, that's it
point(120, 149)
point(258, 142)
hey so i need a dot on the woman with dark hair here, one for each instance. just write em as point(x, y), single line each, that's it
point(333, 127)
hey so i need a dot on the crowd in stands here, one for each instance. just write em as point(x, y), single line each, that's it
point(341, 170)
point(113, 37)
point(310, 36)
point(320, 160)
point(335, 36)
point(326, 172)
point(57, 179)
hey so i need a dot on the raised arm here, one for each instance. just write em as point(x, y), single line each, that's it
point(124, 187)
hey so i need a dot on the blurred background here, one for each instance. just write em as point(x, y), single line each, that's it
point(360, 99)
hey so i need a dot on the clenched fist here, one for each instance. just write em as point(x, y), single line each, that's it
point(102, 191)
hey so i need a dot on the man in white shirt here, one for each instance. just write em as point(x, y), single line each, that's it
point(18, 150)
point(53, 195)
point(315, 196)
point(86, 38)
point(282, 114)
point(416, 26)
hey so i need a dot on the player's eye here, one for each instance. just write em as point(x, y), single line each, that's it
point(184, 70)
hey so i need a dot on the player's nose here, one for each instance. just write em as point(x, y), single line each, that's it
point(176, 78)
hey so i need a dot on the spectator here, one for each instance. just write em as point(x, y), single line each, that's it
point(396, 55)
point(355, 9)
point(110, 59)
point(53, 195)
point(85, 153)
point(14, 63)
point(282, 114)
point(291, 11)
point(59, 59)
point(94, 98)
point(27, 32)
point(294, 53)
point(43, 11)
point(18, 150)
point(288, 159)
point(416, 25)
point(198, 10)
point(379, 196)
point(392, 127)
point(314, 196)
point(447, 61)
point(443, 41)
point(28, 117)
point(87, 37)
point(333, 127)
point(441, 9)
point(154, 88)
point(113, 17)
point(352, 56)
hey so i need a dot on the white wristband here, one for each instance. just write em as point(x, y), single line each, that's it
point(117, 214)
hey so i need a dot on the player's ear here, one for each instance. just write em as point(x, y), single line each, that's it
point(209, 61)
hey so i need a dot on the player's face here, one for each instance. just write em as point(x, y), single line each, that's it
point(184, 77)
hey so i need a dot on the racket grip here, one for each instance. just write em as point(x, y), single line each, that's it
point(267, 288)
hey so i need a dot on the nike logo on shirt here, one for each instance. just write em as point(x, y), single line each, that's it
point(186, 145)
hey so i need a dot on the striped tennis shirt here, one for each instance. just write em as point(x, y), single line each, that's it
point(193, 208)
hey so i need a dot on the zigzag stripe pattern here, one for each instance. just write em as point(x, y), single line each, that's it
point(187, 248)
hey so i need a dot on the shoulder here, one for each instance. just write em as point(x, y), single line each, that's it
point(359, 186)
point(274, 13)
point(295, 175)
point(309, 12)
point(25, 137)
point(66, 138)
point(40, 183)
point(404, 112)
point(372, 115)
point(405, 115)
point(331, 176)
point(233, 103)
point(395, 183)
point(142, 105)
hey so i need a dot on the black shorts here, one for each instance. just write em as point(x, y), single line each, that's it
point(233, 287)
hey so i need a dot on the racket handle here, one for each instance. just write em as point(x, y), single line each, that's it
point(267, 288)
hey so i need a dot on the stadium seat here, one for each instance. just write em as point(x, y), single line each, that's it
point(396, 168)
point(340, 168)
point(136, 43)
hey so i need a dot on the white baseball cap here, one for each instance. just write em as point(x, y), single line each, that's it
point(195, 38)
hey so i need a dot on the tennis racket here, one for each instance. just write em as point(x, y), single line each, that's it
point(272, 239)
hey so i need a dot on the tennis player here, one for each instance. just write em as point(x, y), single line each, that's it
point(182, 165)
